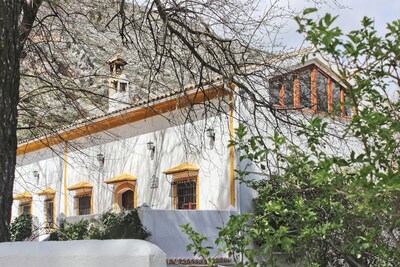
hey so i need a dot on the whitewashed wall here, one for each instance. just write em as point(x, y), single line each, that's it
point(49, 164)
point(125, 151)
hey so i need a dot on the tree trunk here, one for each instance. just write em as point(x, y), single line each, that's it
point(9, 91)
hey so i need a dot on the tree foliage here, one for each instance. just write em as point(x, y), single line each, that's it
point(324, 207)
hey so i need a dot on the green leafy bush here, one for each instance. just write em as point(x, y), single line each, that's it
point(122, 225)
point(21, 228)
point(72, 231)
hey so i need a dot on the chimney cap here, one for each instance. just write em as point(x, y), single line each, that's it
point(117, 60)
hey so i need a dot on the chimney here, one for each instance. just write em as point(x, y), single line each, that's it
point(118, 92)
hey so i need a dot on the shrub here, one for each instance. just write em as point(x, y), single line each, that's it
point(21, 228)
point(122, 225)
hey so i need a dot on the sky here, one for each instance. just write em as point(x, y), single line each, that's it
point(382, 11)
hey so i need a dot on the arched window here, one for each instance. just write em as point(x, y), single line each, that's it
point(125, 191)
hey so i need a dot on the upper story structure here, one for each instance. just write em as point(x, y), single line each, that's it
point(312, 88)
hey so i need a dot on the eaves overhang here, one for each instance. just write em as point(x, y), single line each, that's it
point(141, 110)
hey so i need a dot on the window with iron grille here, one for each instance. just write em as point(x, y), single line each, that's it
point(185, 194)
point(49, 205)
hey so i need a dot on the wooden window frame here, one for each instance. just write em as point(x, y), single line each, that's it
point(296, 92)
point(79, 194)
point(24, 203)
point(47, 200)
point(49, 194)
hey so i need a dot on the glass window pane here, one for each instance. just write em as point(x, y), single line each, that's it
point(305, 89)
point(336, 107)
point(275, 87)
point(49, 213)
point(122, 87)
point(26, 209)
point(348, 109)
point(186, 195)
point(322, 93)
point(84, 205)
point(288, 83)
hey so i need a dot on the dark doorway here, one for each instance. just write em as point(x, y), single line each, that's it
point(127, 200)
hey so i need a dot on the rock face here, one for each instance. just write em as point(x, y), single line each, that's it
point(88, 253)
point(65, 73)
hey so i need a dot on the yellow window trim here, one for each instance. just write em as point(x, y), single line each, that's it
point(81, 185)
point(23, 196)
point(82, 188)
point(184, 167)
point(121, 178)
point(48, 192)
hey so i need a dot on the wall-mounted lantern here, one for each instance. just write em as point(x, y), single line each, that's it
point(36, 176)
point(100, 159)
point(211, 135)
point(152, 148)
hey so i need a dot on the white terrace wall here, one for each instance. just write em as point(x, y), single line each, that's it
point(88, 253)
point(166, 231)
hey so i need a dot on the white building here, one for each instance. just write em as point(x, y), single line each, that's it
point(169, 154)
